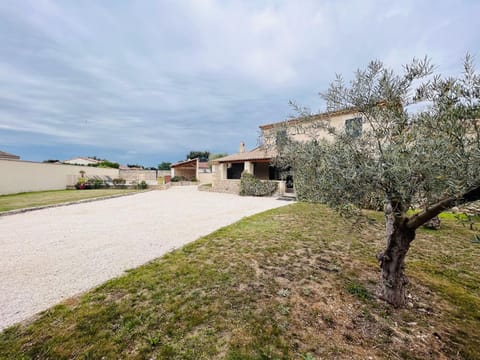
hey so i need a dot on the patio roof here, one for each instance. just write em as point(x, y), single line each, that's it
point(258, 154)
point(191, 163)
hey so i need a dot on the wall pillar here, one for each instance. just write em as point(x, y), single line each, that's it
point(248, 167)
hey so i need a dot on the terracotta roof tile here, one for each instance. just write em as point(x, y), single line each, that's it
point(259, 153)
point(185, 162)
point(324, 115)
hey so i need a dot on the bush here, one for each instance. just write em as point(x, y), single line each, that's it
point(251, 186)
point(85, 184)
point(178, 178)
point(142, 185)
point(119, 183)
point(82, 184)
point(95, 183)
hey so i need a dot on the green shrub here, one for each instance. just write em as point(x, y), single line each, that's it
point(119, 183)
point(82, 184)
point(142, 185)
point(95, 183)
point(178, 178)
point(251, 186)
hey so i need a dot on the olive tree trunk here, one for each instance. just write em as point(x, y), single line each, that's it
point(392, 260)
point(400, 232)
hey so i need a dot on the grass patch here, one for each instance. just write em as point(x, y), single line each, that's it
point(40, 198)
point(292, 283)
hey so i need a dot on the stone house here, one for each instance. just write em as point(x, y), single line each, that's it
point(259, 161)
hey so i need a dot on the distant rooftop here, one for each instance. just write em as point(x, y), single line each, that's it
point(259, 153)
point(8, 156)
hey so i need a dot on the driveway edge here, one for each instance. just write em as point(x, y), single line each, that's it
point(41, 207)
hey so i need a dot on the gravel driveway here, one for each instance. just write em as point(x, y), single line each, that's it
point(52, 254)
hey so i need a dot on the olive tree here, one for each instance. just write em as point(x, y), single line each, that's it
point(419, 148)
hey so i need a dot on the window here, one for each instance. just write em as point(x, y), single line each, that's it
point(281, 137)
point(353, 127)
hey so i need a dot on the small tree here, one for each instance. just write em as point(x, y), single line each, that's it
point(419, 147)
point(164, 165)
point(202, 155)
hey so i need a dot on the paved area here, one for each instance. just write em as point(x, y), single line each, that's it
point(52, 254)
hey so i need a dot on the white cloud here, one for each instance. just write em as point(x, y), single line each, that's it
point(162, 77)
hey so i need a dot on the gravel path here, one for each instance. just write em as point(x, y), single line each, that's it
point(52, 254)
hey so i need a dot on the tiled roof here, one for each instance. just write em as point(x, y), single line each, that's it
point(185, 162)
point(324, 115)
point(259, 153)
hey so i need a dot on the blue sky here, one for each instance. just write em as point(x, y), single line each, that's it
point(148, 81)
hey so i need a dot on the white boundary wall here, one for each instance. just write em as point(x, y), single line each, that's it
point(23, 176)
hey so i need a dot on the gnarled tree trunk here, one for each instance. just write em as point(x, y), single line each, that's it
point(392, 260)
point(400, 232)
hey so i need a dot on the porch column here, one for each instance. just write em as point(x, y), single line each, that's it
point(223, 171)
point(248, 167)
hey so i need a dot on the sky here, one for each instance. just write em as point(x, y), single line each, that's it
point(141, 82)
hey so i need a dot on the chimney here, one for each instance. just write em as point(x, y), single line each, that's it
point(242, 147)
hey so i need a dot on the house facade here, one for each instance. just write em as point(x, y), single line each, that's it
point(259, 161)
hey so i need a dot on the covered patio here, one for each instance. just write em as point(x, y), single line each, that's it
point(187, 169)
point(228, 170)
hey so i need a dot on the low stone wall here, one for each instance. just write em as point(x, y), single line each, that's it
point(227, 186)
point(137, 175)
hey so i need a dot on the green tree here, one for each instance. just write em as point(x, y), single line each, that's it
point(164, 165)
point(212, 157)
point(202, 155)
point(106, 164)
point(138, 166)
point(419, 147)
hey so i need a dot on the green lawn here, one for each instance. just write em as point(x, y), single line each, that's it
point(39, 198)
point(297, 282)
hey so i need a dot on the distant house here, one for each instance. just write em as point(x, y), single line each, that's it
point(7, 156)
point(259, 161)
point(81, 161)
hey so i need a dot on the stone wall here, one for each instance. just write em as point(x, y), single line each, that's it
point(138, 175)
point(227, 186)
point(205, 178)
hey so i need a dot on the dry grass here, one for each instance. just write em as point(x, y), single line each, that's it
point(292, 283)
point(40, 198)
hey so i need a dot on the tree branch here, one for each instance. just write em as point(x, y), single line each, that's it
point(421, 218)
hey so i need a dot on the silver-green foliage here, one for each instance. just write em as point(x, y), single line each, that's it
point(420, 143)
